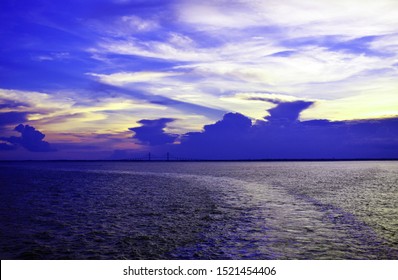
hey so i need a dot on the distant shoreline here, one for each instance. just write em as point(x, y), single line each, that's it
point(207, 160)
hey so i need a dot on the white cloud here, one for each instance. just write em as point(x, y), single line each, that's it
point(309, 65)
point(43, 101)
point(298, 18)
point(122, 78)
point(122, 26)
point(136, 23)
point(387, 44)
point(216, 14)
point(52, 56)
point(178, 48)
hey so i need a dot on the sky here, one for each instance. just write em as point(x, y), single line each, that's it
point(248, 79)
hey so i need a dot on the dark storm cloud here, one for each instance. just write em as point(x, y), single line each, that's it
point(31, 139)
point(221, 140)
point(287, 111)
point(283, 136)
point(152, 132)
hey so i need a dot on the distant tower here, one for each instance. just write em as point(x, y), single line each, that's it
point(149, 156)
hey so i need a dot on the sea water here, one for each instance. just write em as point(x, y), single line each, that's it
point(199, 210)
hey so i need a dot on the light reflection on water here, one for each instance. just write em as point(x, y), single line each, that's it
point(199, 210)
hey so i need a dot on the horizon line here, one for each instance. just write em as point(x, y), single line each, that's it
point(203, 160)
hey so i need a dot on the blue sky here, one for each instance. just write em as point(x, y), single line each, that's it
point(95, 79)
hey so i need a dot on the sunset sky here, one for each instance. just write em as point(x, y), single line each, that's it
point(117, 78)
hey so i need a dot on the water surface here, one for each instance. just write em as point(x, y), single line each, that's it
point(199, 210)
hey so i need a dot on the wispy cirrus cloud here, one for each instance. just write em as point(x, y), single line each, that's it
point(298, 18)
point(122, 78)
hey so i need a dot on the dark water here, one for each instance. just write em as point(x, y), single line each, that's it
point(199, 210)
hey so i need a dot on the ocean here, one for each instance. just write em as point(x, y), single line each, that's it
point(199, 210)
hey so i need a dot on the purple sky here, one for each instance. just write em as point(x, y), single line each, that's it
point(199, 79)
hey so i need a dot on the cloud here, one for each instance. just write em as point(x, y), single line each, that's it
point(298, 18)
point(314, 68)
point(127, 25)
point(31, 139)
point(287, 112)
point(53, 56)
point(152, 132)
point(148, 97)
point(73, 111)
point(11, 104)
point(231, 122)
point(176, 48)
point(122, 78)
point(283, 136)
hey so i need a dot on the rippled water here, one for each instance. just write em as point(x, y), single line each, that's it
point(199, 210)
